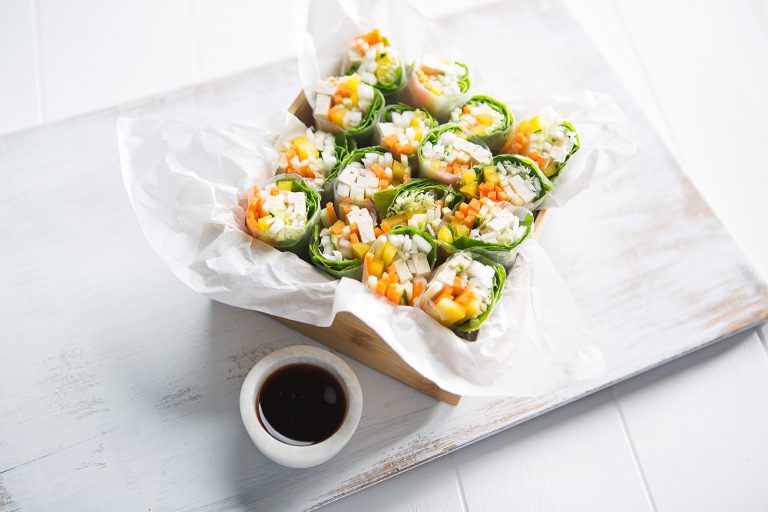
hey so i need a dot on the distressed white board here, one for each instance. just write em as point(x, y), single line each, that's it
point(120, 386)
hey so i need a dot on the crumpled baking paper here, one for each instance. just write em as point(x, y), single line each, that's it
point(326, 29)
point(184, 183)
point(187, 183)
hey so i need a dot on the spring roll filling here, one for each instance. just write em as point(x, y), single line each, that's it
point(545, 140)
point(343, 100)
point(311, 156)
point(373, 59)
point(452, 154)
point(418, 209)
point(506, 181)
point(488, 221)
point(404, 133)
point(478, 118)
point(440, 76)
point(359, 181)
point(348, 239)
point(396, 267)
point(460, 290)
point(277, 214)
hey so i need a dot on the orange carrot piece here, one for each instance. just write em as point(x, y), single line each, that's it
point(332, 218)
point(337, 227)
point(465, 296)
point(418, 289)
point(392, 271)
point(389, 141)
point(392, 294)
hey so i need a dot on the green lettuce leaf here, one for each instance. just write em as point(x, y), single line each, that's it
point(352, 269)
point(496, 139)
point(577, 144)
point(364, 133)
point(299, 246)
point(381, 199)
point(500, 253)
point(386, 113)
point(532, 171)
point(469, 329)
point(426, 170)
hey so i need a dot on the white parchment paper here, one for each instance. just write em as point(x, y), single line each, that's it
point(184, 182)
point(326, 29)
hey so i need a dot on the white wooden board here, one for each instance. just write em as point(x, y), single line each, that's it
point(93, 318)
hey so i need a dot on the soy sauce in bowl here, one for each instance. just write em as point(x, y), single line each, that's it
point(301, 404)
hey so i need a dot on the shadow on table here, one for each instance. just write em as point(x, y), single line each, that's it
point(236, 340)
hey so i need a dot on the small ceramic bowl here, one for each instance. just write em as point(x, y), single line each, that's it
point(291, 455)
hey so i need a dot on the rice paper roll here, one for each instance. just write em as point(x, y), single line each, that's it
point(547, 139)
point(420, 204)
point(485, 118)
point(446, 152)
point(438, 85)
point(283, 214)
point(368, 178)
point(398, 264)
point(339, 245)
point(312, 155)
point(346, 105)
point(492, 229)
point(463, 291)
point(401, 129)
point(377, 62)
point(507, 178)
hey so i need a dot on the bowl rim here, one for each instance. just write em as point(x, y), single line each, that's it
point(291, 455)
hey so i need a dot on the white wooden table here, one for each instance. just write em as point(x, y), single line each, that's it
point(690, 435)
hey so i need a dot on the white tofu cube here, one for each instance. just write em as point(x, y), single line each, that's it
point(497, 224)
point(342, 189)
point(276, 226)
point(347, 177)
point(446, 275)
point(322, 105)
point(422, 244)
point(402, 270)
point(421, 264)
point(523, 188)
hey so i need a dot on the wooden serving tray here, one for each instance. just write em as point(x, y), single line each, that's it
point(352, 336)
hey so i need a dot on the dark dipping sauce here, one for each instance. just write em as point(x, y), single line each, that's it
point(301, 404)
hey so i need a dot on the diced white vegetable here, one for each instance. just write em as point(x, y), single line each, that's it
point(342, 189)
point(422, 244)
point(322, 104)
point(421, 264)
point(402, 270)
